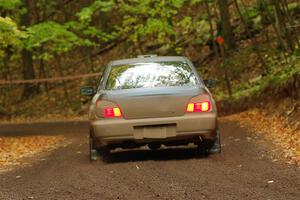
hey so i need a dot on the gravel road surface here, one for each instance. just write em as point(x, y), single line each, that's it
point(244, 170)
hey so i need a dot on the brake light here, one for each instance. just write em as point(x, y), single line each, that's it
point(199, 107)
point(112, 112)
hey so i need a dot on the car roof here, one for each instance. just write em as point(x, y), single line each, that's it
point(148, 59)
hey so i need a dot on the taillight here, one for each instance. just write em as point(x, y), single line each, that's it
point(199, 107)
point(112, 112)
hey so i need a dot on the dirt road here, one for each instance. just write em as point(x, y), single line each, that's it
point(242, 171)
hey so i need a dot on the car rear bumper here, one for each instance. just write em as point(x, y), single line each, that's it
point(113, 131)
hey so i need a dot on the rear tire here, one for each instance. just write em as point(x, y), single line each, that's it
point(154, 147)
point(103, 151)
point(202, 150)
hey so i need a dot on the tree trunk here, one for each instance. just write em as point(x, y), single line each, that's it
point(280, 24)
point(211, 29)
point(226, 31)
point(291, 29)
point(61, 73)
point(252, 37)
point(28, 73)
point(277, 32)
point(27, 62)
point(264, 18)
point(225, 70)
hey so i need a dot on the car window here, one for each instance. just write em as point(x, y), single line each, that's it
point(151, 74)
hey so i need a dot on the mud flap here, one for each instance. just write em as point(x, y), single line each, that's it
point(216, 148)
point(93, 152)
point(93, 155)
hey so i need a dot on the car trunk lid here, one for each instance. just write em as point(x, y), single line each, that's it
point(153, 102)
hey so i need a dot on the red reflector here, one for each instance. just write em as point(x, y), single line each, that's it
point(199, 107)
point(112, 112)
point(109, 112)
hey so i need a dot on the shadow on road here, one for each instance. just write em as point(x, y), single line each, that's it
point(144, 155)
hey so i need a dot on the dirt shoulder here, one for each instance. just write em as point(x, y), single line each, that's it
point(284, 137)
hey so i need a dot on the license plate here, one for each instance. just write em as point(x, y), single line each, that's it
point(155, 132)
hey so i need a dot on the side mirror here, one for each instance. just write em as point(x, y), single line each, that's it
point(87, 91)
point(210, 83)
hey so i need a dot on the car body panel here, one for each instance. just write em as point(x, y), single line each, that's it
point(155, 128)
point(153, 102)
point(151, 114)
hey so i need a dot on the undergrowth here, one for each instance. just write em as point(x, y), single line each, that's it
point(284, 71)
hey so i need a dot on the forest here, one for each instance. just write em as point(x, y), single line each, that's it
point(50, 49)
point(250, 46)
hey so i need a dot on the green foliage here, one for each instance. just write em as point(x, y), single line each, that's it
point(280, 76)
point(250, 12)
point(252, 16)
point(83, 26)
point(54, 37)
point(153, 21)
point(186, 24)
point(86, 14)
point(12, 9)
point(202, 30)
point(193, 2)
point(10, 35)
point(149, 19)
point(10, 4)
point(94, 32)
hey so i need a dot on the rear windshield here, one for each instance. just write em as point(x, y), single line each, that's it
point(150, 75)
